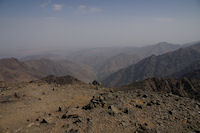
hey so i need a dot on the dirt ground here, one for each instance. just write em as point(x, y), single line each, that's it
point(40, 107)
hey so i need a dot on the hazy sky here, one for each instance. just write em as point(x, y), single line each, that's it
point(58, 23)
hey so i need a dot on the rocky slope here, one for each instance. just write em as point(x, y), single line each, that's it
point(156, 66)
point(183, 87)
point(81, 108)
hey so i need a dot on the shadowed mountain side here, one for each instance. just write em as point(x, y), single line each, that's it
point(195, 74)
point(155, 66)
point(183, 87)
point(191, 71)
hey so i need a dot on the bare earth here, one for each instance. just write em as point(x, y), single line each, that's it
point(39, 107)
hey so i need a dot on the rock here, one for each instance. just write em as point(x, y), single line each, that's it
point(88, 119)
point(59, 109)
point(111, 113)
point(140, 129)
point(16, 95)
point(94, 102)
point(30, 125)
point(73, 131)
point(113, 109)
point(149, 104)
point(139, 106)
point(111, 91)
point(96, 83)
point(64, 116)
point(72, 116)
point(67, 126)
point(156, 102)
point(43, 121)
point(197, 131)
point(16, 131)
point(144, 96)
point(126, 111)
point(170, 112)
point(77, 121)
point(89, 106)
point(123, 123)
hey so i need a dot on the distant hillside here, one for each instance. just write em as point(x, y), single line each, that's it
point(14, 70)
point(116, 63)
point(41, 56)
point(155, 66)
point(61, 68)
point(107, 60)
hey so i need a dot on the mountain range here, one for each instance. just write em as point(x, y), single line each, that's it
point(113, 66)
point(107, 60)
point(163, 65)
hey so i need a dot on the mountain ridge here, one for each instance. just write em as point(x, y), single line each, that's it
point(155, 66)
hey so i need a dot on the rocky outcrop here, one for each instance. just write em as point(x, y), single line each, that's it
point(95, 82)
point(61, 80)
point(182, 87)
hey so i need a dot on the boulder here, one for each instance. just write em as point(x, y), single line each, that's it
point(96, 83)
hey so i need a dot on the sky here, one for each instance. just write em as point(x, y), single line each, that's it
point(41, 24)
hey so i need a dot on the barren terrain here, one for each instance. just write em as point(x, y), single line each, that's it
point(41, 107)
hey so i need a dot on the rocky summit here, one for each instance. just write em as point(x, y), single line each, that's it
point(59, 107)
point(184, 87)
point(52, 79)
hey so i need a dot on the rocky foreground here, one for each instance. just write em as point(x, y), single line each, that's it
point(41, 107)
